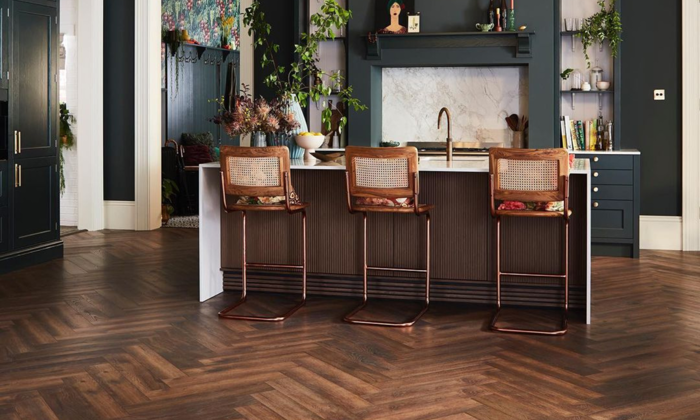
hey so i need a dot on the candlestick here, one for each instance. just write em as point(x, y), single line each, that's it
point(499, 28)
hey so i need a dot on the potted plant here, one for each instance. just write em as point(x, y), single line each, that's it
point(66, 121)
point(565, 79)
point(169, 191)
point(604, 25)
point(300, 83)
point(173, 39)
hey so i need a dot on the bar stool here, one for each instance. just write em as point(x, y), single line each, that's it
point(260, 174)
point(376, 177)
point(539, 176)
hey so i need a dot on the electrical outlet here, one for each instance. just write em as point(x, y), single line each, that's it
point(660, 95)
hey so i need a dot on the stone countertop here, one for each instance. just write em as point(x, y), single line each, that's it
point(461, 164)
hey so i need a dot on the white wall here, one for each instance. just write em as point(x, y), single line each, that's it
point(68, 92)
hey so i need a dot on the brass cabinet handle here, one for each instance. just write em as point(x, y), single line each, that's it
point(595, 189)
point(595, 174)
point(19, 142)
point(596, 204)
point(18, 175)
point(596, 159)
point(15, 142)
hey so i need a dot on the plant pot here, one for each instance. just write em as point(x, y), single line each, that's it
point(164, 215)
point(259, 139)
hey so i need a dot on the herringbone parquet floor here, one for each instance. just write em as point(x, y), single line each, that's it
point(115, 331)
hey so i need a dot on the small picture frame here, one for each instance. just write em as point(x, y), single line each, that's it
point(414, 23)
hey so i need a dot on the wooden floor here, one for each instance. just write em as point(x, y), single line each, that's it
point(115, 330)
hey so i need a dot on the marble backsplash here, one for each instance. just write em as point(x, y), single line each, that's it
point(479, 99)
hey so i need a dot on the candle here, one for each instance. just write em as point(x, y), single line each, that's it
point(512, 6)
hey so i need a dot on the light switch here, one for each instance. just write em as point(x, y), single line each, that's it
point(660, 95)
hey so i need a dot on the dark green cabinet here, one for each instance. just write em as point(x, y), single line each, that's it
point(34, 212)
point(33, 92)
point(4, 44)
point(4, 236)
point(615, 202)
point(3, 183)
point(29, 185)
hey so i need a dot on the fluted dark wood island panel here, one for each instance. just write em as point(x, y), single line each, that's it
point(463, 238)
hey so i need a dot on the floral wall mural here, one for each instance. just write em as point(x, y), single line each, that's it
point(202, 20)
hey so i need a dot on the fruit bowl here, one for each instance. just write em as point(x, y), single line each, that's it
point(310, 142)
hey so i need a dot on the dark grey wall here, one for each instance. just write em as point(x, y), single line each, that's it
point(652, 60)
point(119, 124)
point(541, 16)
point(283, 17)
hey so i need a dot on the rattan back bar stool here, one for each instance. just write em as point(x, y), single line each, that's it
point(260, 175)
point(530, 176)
point(385, 180)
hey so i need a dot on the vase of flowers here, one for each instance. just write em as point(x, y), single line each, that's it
point(270, 123)
point(259, 139)
point(226, 27)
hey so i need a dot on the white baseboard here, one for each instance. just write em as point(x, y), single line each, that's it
point(120, 215)
point(661, 233)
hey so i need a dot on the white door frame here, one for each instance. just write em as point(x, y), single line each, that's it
point(691, 125)
point(147, 113)
point(90, 127)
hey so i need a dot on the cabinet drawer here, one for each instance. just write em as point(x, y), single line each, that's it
point(612, 192)
point(603, 161)
point(612, 219)
point(608, 177)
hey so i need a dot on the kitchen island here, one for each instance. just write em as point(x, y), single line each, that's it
point(463, 240)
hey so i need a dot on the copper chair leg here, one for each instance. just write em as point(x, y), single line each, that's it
point(365, 295)
point(564, 322)
point(244, 295)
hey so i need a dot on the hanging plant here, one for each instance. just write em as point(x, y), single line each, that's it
point(300, 82)
point(66, 121)
point(602, 26)
point(173, 39)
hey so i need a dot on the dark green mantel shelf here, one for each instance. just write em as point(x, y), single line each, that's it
point(520, 41)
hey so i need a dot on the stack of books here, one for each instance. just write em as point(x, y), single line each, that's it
point(582, 135)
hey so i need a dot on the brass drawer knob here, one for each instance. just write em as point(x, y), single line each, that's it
point(596, 205)
point(596, 159)
point(595, 174)
point(595, 189)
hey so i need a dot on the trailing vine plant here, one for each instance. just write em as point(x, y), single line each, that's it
point(604, 25)
point(295, 82)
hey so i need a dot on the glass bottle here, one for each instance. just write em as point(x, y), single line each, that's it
point(504, 15)
point(576, 80)
point(491, 17)
point(596, 76)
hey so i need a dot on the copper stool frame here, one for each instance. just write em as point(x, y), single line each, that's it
point(291, 209)
point(563, 328)
point(415, 209)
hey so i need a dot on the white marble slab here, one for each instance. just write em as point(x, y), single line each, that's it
point(479, 98)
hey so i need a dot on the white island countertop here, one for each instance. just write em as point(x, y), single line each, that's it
point(427, 164)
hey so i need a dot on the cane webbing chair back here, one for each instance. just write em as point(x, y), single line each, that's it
point(529, 175)
point(254, 171)
point(381, 172)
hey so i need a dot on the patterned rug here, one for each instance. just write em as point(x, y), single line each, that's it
point(187, 222)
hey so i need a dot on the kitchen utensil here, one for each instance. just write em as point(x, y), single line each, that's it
point(513, 121)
